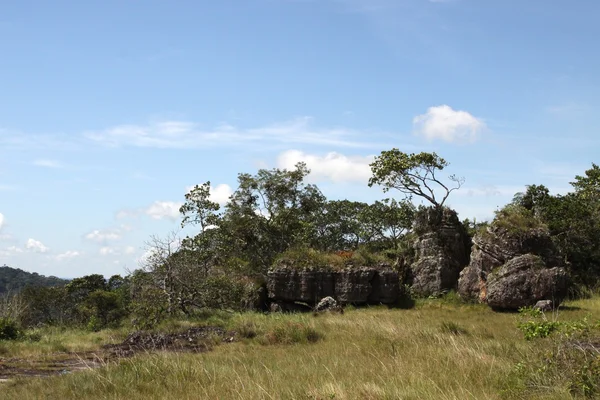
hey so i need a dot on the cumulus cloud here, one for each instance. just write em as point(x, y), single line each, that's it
point(103, 236)
point(164, 209)
point(444, 123)
point(36, 246)
point(188, 135)
point(334, 167)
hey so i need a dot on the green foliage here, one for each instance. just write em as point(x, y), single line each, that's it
point(517, 220)
point(9, 329)
point(413, 174)
point(291, 333)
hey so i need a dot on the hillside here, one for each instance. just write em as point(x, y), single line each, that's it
point(14, 279)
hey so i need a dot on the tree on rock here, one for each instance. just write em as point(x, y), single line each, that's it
point(413, 174)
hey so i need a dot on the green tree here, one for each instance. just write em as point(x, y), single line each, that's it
point(413, 174)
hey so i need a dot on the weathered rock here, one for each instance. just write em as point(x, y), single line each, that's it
point(360, 285)
point(523, 281)
point(288, 284)
point(328, 304)
point(442, 251)
point(353, 285)
point(544, 305)
point(497, 245)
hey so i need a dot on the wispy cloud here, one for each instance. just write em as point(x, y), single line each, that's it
point(103, 236)
point(568, 110)
point(188, 135)
point(48, 163)
point(444, 123)
point(164, 210)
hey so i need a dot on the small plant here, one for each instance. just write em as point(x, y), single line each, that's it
point(538, 329)
point(291, 333)
point(9, 330)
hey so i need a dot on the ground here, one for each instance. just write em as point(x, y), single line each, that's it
point(441, 349)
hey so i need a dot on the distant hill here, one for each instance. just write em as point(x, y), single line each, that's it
point(14, 279)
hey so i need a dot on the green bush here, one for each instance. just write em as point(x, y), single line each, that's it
point(291, 333)
point(9, 329)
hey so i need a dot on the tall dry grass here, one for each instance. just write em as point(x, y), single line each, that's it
point(438, 350)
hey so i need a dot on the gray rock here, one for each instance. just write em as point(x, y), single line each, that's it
point(523, 281)
point(328, 304)
point(496, 246)
point(544, 305)
point(442, 251)
point(356, 285)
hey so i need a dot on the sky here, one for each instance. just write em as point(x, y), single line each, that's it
point(111, 110)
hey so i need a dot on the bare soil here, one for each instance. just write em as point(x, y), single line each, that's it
point(193, 340)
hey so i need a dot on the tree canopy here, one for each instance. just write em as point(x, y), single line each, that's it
point(413, 174)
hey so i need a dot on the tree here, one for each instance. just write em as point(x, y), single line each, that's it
point(269, 213)
point(413, 174)
point(198, 209)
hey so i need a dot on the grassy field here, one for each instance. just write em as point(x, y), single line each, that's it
point(438, 350)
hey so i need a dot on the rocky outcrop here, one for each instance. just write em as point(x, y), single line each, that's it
point(514, 263)
point(362, 285)
point(524, 281)
point(441, 251)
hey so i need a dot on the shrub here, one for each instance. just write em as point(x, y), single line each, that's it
point(9, 329)
point(291, 333)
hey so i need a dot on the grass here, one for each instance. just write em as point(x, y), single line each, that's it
point(438, 350)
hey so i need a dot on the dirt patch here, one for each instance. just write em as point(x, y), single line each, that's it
point(193, 340)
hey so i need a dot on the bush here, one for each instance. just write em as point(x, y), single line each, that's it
point(9, 329)
point(291, 333)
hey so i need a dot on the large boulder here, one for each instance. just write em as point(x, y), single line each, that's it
point(441, 251)
point(352, 285)
point(523, 281)
point(515, 253)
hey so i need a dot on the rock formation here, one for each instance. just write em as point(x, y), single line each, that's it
point(442, 251)
point(513, 266)
point(361, 285)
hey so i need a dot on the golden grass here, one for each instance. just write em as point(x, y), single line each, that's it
point(435, 351)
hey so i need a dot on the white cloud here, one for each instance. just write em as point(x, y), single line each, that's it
point(14, 249)
point(36, 246)
point(67, 255)
point(48, 163)
point(127, 213)
point(103, 236)
point(129, 250)
point(106, 251)
point(443, 122)
point(333, 166)
point(188, 135)
point(164, 209)
point(220, 193)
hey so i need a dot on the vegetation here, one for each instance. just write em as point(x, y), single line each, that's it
point(14, 279)
point(439, 349)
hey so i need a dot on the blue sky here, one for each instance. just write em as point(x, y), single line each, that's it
point(110, 110)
